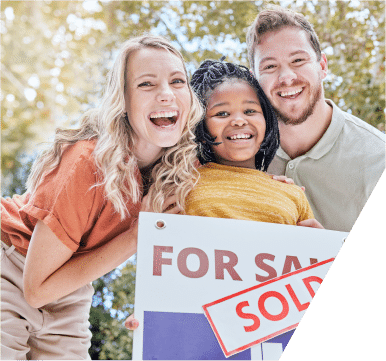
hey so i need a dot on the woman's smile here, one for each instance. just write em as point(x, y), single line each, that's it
point(157, 101)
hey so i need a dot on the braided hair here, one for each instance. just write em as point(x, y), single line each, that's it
point(205, 79)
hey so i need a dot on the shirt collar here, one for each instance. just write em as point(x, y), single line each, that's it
point(324, 145)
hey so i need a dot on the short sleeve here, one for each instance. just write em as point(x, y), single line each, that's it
point(65, 197)
point(305, 211)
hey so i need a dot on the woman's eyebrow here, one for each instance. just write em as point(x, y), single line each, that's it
point(153, 75)
point(145, 75)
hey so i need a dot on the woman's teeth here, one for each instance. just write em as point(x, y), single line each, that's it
point(163, 114)
point(164, 118)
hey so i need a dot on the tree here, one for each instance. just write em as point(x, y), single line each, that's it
point(113, 302)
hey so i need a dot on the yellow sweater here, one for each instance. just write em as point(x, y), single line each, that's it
point(243, 193)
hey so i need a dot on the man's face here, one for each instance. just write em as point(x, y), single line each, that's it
point(287, 69)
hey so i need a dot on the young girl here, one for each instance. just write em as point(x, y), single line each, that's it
point(78, 218)
point(238, 139)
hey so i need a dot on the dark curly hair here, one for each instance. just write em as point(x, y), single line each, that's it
point(205, 79)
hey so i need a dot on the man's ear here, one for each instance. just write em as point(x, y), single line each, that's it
point(323, 65)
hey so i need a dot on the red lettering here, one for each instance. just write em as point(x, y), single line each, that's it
point(204, 262)
point(299, 306)
point(265, 313)
point(220, 265)
point(158, 261)
point(248, 316)
point(313, 260)
point(259, 260)
point(289, 261)
point(307, 282)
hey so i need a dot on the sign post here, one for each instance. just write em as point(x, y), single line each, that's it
point(185, 262)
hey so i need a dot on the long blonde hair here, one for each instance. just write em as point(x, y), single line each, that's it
point(176, 173)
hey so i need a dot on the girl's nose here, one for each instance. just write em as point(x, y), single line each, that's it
point(238, 121)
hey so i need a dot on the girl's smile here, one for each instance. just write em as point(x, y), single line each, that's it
point(235, 118)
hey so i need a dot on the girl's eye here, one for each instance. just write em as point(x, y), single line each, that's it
point(221, 114)
point(250, 111)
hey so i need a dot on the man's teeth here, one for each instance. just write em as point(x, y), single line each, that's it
point(240, 136)
point(293, 92)
point(170, 114)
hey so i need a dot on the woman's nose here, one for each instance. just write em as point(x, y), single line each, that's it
point(165, 94)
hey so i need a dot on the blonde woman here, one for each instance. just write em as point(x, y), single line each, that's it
point(78, 218)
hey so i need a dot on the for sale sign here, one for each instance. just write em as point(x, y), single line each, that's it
point(185, 262)
point(264, 311)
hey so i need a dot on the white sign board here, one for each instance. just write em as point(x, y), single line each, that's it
point(191, 261)
point(264, 311)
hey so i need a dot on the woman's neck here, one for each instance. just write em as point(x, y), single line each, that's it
point(147, 154)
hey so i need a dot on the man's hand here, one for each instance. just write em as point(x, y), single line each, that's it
point(131, 323)
point(312, 223)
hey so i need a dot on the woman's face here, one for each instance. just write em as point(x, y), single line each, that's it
point(157, 100)
point(235, 118)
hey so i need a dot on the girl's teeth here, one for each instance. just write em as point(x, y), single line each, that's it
point(240, 136)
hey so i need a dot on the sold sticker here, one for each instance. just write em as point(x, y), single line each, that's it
point(266, 310)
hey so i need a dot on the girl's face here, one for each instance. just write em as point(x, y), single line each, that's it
point(235, 118)
point(157, 100)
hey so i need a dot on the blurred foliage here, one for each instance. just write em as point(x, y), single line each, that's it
point(113, 301)
point(55, 56)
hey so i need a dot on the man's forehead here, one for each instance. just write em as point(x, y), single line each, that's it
point(287, 41)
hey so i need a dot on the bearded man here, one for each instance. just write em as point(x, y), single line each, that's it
point(336, 156)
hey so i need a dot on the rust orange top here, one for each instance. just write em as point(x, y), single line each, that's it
point(68, 202)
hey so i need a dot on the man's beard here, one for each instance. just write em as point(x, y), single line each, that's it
point(288, 120)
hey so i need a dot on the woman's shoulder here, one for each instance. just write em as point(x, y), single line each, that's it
point(77, 164)
point(79, 154)
point(80, 149)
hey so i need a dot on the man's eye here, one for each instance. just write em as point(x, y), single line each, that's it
point(268, 67)
point(298, 60)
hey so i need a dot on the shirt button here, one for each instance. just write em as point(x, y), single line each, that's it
point(291, 166)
